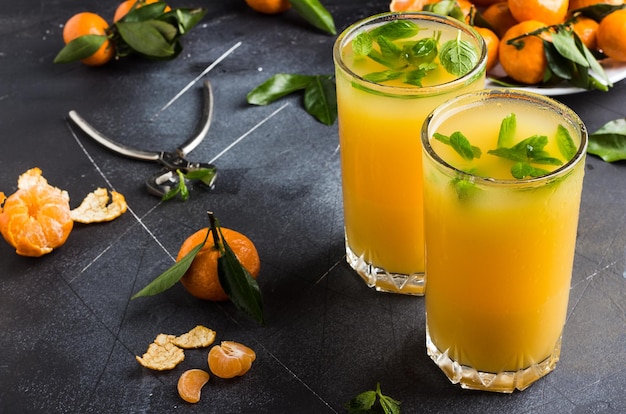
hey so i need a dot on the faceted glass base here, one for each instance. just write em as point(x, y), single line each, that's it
point(505, 382)
point(384, 281)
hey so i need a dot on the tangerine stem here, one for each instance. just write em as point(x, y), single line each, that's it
point(213, 228)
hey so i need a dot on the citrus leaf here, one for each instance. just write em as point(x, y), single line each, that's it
point(565, 44)
point(146, 39)
point(184, 19)
point(238, 284)
point(146, 12)
point(320, 99)
point(314, 12)
point(172, 275)
point(609, 142)
point(276, 87)
point(80, 48)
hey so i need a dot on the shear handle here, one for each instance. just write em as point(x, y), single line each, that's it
point(205, 122)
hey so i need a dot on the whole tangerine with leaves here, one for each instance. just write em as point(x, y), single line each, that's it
point(35, 219)
point(587, 30)
point(230, 359)
point(269, 6)
point(126, 6)
point(201, 279)
point(499, 17)
point(524, 59)
point(87, 23)
point(547, 11)
point(611, 35)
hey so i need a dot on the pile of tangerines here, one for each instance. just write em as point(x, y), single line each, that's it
point(529, 23)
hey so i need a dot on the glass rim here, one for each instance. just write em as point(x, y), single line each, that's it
point(348, 33)
point(568, 114)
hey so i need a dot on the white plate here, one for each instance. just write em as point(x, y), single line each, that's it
point(616, 71)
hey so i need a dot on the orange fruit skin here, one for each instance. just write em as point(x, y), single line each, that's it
point(201, 279)
point(611, 35)
point(86, 23)
point(269, 6)
point(125, 6)
point(190, 384)
point(499, 17)
point(547, 11)
point(579, 4)
point(587, 30)
point(528, 64)
point(230, 359)
point(36, 220)
point(493, 43)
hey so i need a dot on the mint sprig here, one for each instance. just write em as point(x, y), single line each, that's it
point(365, 403)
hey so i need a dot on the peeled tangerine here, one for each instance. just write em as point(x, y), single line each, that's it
point(36, 218)
point(230, 359)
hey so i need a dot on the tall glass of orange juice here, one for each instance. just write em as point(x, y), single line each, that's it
point(503, 175)
point(392, 69)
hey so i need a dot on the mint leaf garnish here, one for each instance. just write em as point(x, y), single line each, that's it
point(397, 29)
point(566, 144)
point(366, 403)
point(508, 128)
point(363, 44)
point(458, 56)
point(460, 144)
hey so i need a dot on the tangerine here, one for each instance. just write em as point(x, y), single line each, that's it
point(230, 359)
point(525, 61)
point(492, 42)
point(269, 6)
point(190, 384)
point(587, 29)
point(36, 218)
point(611, 35)
point(547, 11)
point(406, 5)
point(201, 279)
point(499, 17)
point(87, 23)
point(126, 6)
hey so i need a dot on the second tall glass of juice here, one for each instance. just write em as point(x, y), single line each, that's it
point(392, 70)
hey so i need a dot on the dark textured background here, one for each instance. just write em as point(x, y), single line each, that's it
point(68, 330)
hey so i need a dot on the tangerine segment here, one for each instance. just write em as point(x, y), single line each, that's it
point(190, 384)
point(36, 218)
point(230, 359)
point(201, 279)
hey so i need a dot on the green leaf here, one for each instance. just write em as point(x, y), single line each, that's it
point(384, 76)
point(521, 170)
point(172, 275)
point(458, 56)
point(396, 29)
point(206, 175)
point(464, 187)
point(609, 142)
point(508, 128)
point(389, 52)
point(238, 284)
point(362, 402)
point(278, 86)
point(566, 144)
point(565, 44)
point(390, 406)
point(80, 48)
point(320, 99)
point(181, 188)
point(422, 51)
point(462, 146)
point(314, 12)
point(184, 19)
point(363, 44)
point(414, 77)
point(145, 12)
point(145, 39)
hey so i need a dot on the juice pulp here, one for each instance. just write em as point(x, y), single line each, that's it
point(381, 158)
point(500, 257)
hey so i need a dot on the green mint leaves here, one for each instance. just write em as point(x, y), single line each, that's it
point(527, 155)
point(609, 142)
point(320, 96)
point(411, 60)
point(365, 403)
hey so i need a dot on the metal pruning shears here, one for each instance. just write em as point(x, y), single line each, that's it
point(167, 178)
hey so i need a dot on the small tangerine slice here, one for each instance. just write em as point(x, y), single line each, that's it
point(230, 359)
point(190, 384)
point(36, 218)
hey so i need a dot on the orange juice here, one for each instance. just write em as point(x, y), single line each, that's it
point(500, 249)
point(379, 125)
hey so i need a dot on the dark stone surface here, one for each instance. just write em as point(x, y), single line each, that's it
point(68, 329)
